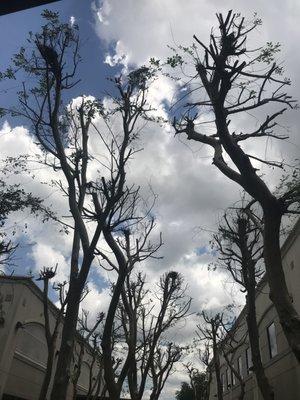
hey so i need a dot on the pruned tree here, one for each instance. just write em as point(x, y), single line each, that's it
point(97, 387)
point(144, 324)
point(131, 246)
point(51, 329)
point(233, 80)
point(209, 331)
point(240, 252)
point(165, 356)
point(87, 335)
point(229, 345)
point(101, 202)
point(205, 358)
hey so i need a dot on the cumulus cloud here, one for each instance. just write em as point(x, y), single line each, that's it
point(191, 192)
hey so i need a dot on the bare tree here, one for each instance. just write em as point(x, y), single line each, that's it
point(233, 80)
point(229, 345)
point(209, 331)
point(97, 387)
point(206, 359)
point(98, 205)
point(145, 324)
point(165, 356)
point(240, 248)
point(51, 332)
point(87, 335)
point(129, 246)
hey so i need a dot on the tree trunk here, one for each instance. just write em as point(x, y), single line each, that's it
point(249, 276)
point(78, 370)
point(262, 380)
point(48, 374)
point(217, 367)
point(208, 384)
point(279, 293)
point(109, 376)
point(237, 375)
point(273, 210)
point(62, 373)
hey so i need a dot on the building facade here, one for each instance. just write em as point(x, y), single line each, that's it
point(281, 366)
point(23, 347)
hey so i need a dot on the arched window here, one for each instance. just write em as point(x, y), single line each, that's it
point(31, 343)
point(83, 381)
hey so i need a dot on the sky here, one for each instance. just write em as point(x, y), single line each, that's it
point(191, 193)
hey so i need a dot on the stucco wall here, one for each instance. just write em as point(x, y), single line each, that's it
point(282, 370)
point(23, 349)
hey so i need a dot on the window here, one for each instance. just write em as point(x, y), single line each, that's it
point(228, 378)
point(272, 340)
point(223, 383)
point(31, 343)
point(248, 360)
point(240, 366)
point(233, 379)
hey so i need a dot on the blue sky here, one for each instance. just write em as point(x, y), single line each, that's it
point(14, 29)
point(192, 194)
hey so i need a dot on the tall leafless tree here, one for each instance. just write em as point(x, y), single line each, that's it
point(151, 356)
point(205, 358)
point(51, 330)
point(229, 344)
point(209, 330)
point(132, 245)
point(88, 334)
point(98, 205)
point(233, 80)
point(240, 248)
point(165, 356)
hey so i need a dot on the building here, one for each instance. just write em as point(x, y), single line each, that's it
point(23, 348)
point(280, 364)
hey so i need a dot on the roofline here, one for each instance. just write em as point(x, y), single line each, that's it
point(28, 281)
point(290, 238)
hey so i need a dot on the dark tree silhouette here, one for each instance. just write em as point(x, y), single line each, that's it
point(232, 80)
point(51, 330)
point(210, 331)
point(150, 356)
point(185, 392)
point(99, 205)
point(239, 243)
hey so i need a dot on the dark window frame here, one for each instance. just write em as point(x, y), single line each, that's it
point(269, 340)
point(223, 382)
point(233, 378)
point(249, 362)
point(240, 366)
point(228, 379)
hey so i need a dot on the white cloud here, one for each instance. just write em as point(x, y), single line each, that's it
point(191, 191)
point(47, 256)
